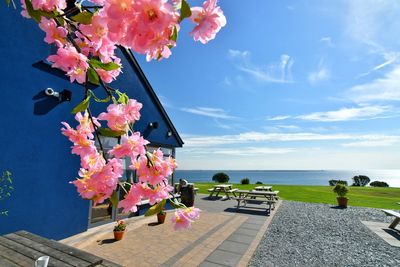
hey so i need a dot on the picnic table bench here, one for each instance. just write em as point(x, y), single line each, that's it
point(258, 197)
point(222, 188)
point(22, 248)
point(396, 220)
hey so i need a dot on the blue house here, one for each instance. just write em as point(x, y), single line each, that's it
point(43, 201)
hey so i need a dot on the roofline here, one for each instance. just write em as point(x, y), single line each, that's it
point(150, 90)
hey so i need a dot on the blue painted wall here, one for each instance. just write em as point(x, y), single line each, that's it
point(32, 147)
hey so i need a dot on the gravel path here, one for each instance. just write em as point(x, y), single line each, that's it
point(305, 234)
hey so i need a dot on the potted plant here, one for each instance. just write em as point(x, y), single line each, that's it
point(341, 190)
point(119, 230)
point(161, 216)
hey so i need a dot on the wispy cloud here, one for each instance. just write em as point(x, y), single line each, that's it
point(374, 24)
point(386, 88)
point(327, 41)
point(277, 72)
point(250, 151)
point(259, 137)
point(348, 114)
point(321, 74)
point(279, 118)
point(389, 141)
point(209, 112)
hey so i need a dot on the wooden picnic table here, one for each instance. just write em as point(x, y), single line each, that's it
point(259, 197)
point(263, 188)
point(23, 248)
point(224, 188)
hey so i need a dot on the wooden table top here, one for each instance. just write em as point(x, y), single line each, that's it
point(23, 248)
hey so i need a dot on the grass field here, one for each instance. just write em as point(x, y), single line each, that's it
point(374, 197)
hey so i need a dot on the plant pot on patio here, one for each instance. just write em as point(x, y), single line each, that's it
point(119, 230)
point(118, 235)
point(161, 217)
point(341, 190)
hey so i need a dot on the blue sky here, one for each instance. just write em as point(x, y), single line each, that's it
point(287, 85)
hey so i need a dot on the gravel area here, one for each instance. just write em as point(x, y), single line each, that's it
point(305, 234)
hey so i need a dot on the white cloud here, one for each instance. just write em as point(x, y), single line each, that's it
point(326, 40)
point(258, 137)
point(375, 26)
point(277, 72)
point(289, 127)
point(253, 151)
point(373, 143)
point(238, 54)
point(279, 118)
point(386, 88)
point(209, 112)
point(347, 114)
point(321, 74)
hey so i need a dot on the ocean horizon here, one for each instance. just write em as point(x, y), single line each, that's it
point(292, 177)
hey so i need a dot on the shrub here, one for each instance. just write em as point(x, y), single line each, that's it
point(220, 177)
point(245, 181)
point(258, 182)
point(360, 180)
point(334, 182)
point(340, 189)
point(379, 184)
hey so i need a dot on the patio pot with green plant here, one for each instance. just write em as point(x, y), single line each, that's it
point(161, 217)
point(341, 190)
point(119, 230)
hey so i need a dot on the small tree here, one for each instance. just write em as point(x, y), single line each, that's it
point(378, 184)
point(258, 182)
point(220, 177)
point(334, 182)
point(245, 181)
point(360, 180)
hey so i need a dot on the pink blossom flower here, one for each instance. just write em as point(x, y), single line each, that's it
point(132, 110)
point(109, 76)
point(193, 213)
point(72, 62)
point(209, 19)
point(131, 200)
point(115, 117)
point(180, 220)
point(54, 34)
point(49, 5)
point(24, 12)
point(131, 146)
point(160, 192)
point(155, 171)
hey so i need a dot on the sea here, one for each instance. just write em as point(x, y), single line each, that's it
point(291, 177)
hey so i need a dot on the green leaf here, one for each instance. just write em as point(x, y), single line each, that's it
point(110, 133)
point(174, 35)
point(105, 66)
point(156, 208)
point(82, 106)
point(93, 77)
point(8, 2)
point(114, 199)
point(83, 17)
point(185, 10)
point(99, 100)
point(123, 98)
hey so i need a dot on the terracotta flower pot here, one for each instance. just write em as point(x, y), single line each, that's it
point(118, 235)
point(342, 201)
point(161, 217)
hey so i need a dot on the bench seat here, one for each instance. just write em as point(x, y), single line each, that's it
point(396, 220)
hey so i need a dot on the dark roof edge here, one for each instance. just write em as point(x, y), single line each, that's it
point(128, 53)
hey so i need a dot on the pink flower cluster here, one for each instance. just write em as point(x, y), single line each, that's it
point(184, 217)
point(98, 178)
point(146, 26)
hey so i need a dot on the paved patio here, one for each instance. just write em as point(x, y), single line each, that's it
point(223, 236)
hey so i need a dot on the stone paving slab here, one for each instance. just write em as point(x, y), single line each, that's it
point(391, 236)
point(222, 236)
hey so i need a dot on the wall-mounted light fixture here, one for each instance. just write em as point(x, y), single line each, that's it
point(153, 125)
point(169, 133)
point(65, 95)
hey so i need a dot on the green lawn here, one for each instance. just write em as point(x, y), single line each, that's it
point(375, 197)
